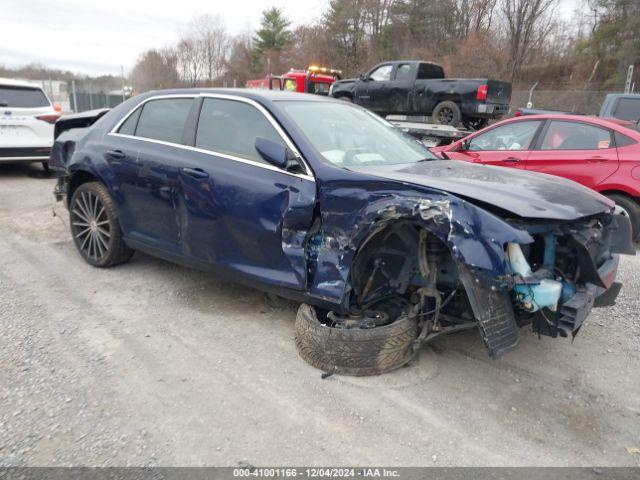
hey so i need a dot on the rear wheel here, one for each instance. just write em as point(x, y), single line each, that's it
point(630, 208)
point(447, 113)
point(95, 228)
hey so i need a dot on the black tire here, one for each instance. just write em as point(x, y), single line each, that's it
point(475, 123)
point(357, 352)
point(447, 113)
point(95, 228)
point(631, 208)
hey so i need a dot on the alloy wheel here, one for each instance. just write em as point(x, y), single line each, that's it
point(446, 116)
point(90, 225)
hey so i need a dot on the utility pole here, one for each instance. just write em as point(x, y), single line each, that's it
point(73, 93)
point(122, 77)
point(627, 85)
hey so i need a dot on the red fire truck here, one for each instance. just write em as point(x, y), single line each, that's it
point(312, 80)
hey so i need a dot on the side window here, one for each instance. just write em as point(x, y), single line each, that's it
point(512, 136)
point(427, 71)
point(129, 125)
point(381, 74)
point(628, 109)
point(164, 119)
point(403, 73)
point(623, 140)
point(231, 127)
point(575, 136)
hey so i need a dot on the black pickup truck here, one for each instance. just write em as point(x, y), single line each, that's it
point(420, 88)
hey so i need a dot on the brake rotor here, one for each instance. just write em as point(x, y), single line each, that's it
point(359, 319)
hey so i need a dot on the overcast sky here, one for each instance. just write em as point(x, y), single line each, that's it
point(96, 37)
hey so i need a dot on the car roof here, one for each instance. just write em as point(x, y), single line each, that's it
point(10, 82)
point(603, 122)
point(253, 94)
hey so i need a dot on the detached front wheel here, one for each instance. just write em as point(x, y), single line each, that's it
point(95, 228)
point(359, 346)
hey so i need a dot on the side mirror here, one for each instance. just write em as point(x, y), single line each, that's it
point(464, 145)
point(363, 77)
point(274, 153)
point(57, 107)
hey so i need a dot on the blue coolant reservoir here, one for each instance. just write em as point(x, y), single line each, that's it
point(544, 294)
point(532, 296)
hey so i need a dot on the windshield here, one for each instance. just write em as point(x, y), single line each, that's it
point(349, 136)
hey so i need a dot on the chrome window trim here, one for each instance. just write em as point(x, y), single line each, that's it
point(307, 176)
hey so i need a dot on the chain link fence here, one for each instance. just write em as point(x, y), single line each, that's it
point(586, 102)
point(90, 101)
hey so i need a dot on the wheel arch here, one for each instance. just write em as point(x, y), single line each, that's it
point(77, 178)
point(626, 192)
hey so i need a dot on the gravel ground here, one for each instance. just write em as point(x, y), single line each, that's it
point(154, 364)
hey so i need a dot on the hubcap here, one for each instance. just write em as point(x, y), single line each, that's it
point(90, 224)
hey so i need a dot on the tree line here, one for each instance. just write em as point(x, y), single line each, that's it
point(524, 41)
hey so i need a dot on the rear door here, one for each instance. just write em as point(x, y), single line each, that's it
point(506, 145)
point(19, 128)
point(240, 212)
point(575, 150)
point(146, 155)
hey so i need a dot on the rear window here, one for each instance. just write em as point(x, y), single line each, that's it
point(427, 71)
point(623, 140)
point(403, 73)
point(562, 135)
point(164, 119)
point(22, 97)
point(628, 109)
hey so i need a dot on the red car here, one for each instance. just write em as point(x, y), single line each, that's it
point(603, 155)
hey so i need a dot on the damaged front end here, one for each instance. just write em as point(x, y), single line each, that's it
point(454, 265)
point(558, 277)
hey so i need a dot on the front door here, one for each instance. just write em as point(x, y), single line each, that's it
point(370, 90)
point(506, 145)
point(240, 212)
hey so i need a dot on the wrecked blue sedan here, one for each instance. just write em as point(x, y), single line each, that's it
point(323, 202)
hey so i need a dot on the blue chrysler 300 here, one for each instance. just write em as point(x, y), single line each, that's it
point(321, 201)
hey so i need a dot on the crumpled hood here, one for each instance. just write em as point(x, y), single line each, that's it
point(526, 194)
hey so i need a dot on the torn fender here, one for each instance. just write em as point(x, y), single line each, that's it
point(474, 236)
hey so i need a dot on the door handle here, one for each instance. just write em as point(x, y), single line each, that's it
point(596, 159)
point(511, 160)
point(115, 153)
point(195, 173)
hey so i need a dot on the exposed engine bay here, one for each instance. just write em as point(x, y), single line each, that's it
point(551, 283)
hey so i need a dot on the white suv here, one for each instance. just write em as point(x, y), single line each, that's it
point(26, 122)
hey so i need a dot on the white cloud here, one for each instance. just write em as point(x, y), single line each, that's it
point(96, 37)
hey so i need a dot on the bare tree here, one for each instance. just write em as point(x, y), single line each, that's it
point(474, 16)
point(210, 37)
point(528, 22)
point(155, 69)
point(190, 61)
point(346, 23)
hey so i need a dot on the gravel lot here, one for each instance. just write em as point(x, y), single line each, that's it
point(154, 364)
